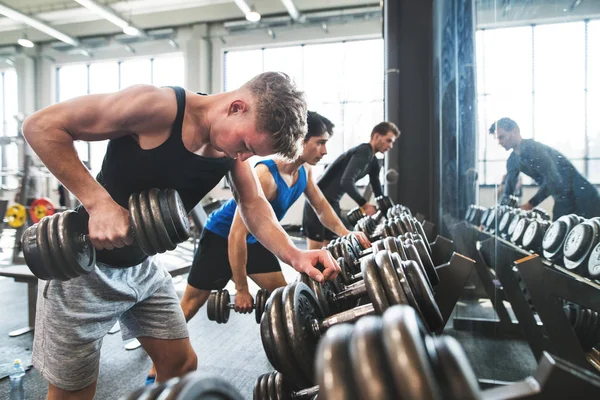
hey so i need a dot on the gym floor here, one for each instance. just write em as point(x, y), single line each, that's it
point(233, 350)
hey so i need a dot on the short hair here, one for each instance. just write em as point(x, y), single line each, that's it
point(506, 124)
point(317, 125)
point(280, 111)
point(384, 127)
point(328, 124)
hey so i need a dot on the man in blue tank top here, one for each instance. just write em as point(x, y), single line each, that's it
point(159, 138)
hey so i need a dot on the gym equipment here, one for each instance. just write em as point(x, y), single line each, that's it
point(193, 386)
point(594, 263)
point(579, 244)
point(41, 208)
point(16, 215)
point(554, 238)
point(274, 386)
point(219, 305)
point(534, 235)
point(58, 247)
point(585, 323)
point(294, 320)
point(383, 204)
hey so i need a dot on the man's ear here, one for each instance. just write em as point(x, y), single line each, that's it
point(237, 106)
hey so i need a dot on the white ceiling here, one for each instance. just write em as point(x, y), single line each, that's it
point(72, 19)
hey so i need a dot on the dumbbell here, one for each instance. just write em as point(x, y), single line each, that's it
point(534, 234)
point(219, 306)
point(554, 238)
point(383, 204)
point(415, 288)
point(506, 220)
point(392, 357)
point(594, 263)
point(387, 357)
point(585, 323)
point(193, 386)
point(396, 210)
point(579, 244)
point(274, 386)
point(58, 247)
point(294, 320)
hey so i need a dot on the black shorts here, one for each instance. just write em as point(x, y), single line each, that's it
point(312, 228)
point(211, 269)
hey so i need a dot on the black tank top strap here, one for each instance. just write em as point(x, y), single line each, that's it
point(178, 124)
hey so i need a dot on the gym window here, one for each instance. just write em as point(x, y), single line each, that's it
point(547, 78)
point(9, 154)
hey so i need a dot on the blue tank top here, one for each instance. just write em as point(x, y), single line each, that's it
point(219, 221)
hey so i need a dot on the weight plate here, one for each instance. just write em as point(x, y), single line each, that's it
point(267, 338)
point(578, 245)
point(136, 222)
point(31, 252)
point(460, 381)
point(347, 254)
point(333, 365)
point(179, 215)
point(413, 254)
point(261, 300)
point(56, 250)
point(421, 232)
point(504, 222)
point(424, 296)
point(159, 223)
point(407, 356)
point(389, 279)
point(44, 246)
point(163, 203)
point(594, 263)
point(412, 301)
point(368, 360)
point(147, 224)
point(211, 307)
point(300, 307)
point(77, 248)
point(16, 216)
point(41, 208)
point(285, 361)
point(199, 385)
point(256, 392)
point(427, 262)
point(373, 284)
point(224, 309)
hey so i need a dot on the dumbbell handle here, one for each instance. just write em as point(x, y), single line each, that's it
point(320, 326)
point(232, 306)
point(307, 393)
point(354, 290)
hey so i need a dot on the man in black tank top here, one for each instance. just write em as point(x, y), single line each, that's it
point(159, 138)
point(341, 176)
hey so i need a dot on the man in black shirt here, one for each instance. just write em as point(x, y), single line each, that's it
point(341, 176)
point(555, 174)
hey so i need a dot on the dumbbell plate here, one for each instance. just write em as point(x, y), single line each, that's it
point(44, 245)
point(413, 254)
point(299, 307)
point(424, 295)
point(373, 284)
point(368, 360)
point(80, 257)
point(460, 379)
point(409, 363)
point(259, 307)
point(147, 224)
point(159, 220)
point(223, 306)
point(32, 254)
point(427, 262)
point(335, 370)
point(412, 301)
point(389, 279)
point(211, 307)
point(421, 232)
point(594, 263)
point(56, 249)
point(178, 215)
point(198, 385)
point(141, 236)
point(267, 337)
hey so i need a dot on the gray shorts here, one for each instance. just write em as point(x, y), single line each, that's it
point(73, 317)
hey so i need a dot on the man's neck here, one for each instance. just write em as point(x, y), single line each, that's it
point(289, 168)
point(198, 113)
point(373, 147)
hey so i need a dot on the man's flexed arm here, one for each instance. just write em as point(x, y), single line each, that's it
point(139, 111)
point(262, 223)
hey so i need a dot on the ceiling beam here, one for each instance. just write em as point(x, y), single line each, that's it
point(112, 16)
point(37, 24)
point(293, 10)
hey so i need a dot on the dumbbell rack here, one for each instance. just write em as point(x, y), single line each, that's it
point(548, 286)
point(466, 237)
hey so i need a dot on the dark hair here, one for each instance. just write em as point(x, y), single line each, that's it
point(506, 124)
point(317, 125)
point(384, 127)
